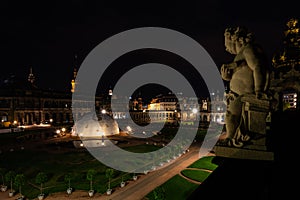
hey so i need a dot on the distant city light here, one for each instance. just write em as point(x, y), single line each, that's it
point(195, 110)
point(129, 128)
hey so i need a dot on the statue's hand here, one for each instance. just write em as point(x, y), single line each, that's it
point(226, 73)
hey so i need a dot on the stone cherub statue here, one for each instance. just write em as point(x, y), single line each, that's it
point(248, 75)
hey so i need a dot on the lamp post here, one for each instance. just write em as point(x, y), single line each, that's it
point(63, 131)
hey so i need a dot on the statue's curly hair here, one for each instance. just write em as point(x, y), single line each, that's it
point(240, 34)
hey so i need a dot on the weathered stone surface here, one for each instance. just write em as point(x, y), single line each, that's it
point(244, 153)
point(248, 112)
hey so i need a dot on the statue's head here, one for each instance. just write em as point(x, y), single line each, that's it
point(236, 37)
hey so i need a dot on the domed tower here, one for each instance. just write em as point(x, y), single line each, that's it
point(285, 78)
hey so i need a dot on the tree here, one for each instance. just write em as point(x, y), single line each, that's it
point(10, 177)
point(90, 175)
point(109, 173)
point(159, 193)
point(122, 177)
point(19, 181)
point(41, 178)
point(68, 178)
point(2, 172)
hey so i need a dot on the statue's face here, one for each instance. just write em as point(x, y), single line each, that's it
point(230, 45)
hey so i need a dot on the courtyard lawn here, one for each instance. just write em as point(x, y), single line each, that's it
point(176, 188)
point(58, 159)
point(57, 163)
point(204, 163)
point(197, 175)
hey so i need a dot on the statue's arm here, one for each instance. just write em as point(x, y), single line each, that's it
point(256, 64)
point(226, 72)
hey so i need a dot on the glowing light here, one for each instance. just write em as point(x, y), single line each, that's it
point(129, 128)
point(195, 110)
point(103, 111)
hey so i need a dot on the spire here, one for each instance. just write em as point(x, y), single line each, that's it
point(73, 84)
point(31, 77)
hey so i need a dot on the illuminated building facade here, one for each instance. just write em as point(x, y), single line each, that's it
point(285, 77)
point(166, 107)
point(23, 103)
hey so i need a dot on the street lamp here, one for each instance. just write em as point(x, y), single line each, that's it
point(63, 130)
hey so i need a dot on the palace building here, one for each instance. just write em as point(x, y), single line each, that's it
point(285, 77)
point(23, 103)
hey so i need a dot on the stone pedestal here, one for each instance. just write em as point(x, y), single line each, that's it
point(257, 120)
point(243, 153)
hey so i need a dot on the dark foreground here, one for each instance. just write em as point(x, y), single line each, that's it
point(257, 179)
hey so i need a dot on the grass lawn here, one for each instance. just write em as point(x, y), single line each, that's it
point(57, 164)
point(204, 163)
point(197, 175)
point(179, 188)
point(176, 188)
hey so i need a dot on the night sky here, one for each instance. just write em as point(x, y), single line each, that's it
point(46, 35)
